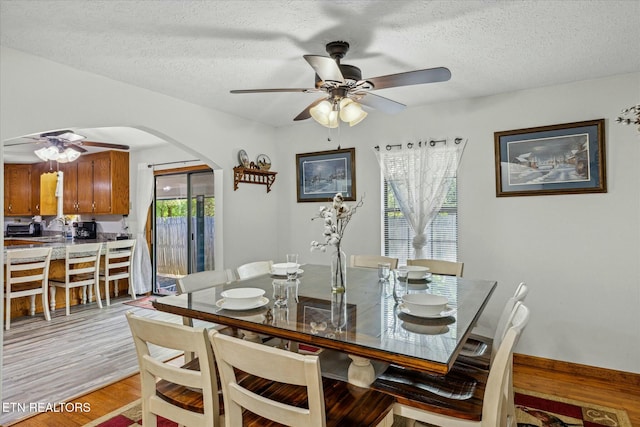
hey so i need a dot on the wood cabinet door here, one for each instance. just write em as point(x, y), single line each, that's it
point(48, 182)
point(85, 186)
point(69, 188)
point(17, 186)
point(102, 184)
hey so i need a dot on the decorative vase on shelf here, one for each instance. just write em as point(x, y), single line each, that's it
point(338, 271)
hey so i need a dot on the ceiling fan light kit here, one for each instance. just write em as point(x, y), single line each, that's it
point(348, 92)
point(63, 146)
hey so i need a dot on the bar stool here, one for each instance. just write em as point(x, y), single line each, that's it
point(117, 265)
point(82, 263)
point(27, 274)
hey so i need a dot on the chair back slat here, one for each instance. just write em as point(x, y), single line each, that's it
point(438, 266)
point(372, 261)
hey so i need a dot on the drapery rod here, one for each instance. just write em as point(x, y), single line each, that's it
point(432, 142)
point(151, 165)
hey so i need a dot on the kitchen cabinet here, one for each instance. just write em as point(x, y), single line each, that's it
point(17, 190)
point(97, 184)
point(43, 198)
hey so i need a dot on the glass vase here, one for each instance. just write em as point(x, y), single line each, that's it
point(338, 311)
point(338, 271)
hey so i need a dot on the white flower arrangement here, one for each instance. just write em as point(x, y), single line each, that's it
point(335, 218)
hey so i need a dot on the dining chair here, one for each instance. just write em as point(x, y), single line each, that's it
point(286, 388)
point(198, 281)
point(192, 386)
point(466, 396)
point(372, 261)
point(82, 264)
point(480, 350)
point(438, 266)
point(27, 274)
point(252, 269)
point(118, 265)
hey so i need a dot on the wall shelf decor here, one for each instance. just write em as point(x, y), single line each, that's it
point(253, 175)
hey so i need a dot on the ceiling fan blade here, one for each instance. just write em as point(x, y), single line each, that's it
point(55, 133)
point(304, 90)
point(430, 75)
point(77, 148)
point(326, 68)
point(381, 103)
point(35, 141)
point(71, 137)
point(305, 114)
point(105, 145)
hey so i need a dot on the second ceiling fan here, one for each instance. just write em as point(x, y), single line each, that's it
point(346, 89)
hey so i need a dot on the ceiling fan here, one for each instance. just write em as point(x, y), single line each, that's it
point(345, 89)
point(64, 145)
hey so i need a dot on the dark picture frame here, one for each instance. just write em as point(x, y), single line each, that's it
point(567, 158)
point(322, 174)
point(318, 310)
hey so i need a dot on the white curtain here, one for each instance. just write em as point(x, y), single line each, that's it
point(142, 274)
point(419, 176)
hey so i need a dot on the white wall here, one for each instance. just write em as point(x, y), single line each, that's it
point(580, 254)
point(40, 95)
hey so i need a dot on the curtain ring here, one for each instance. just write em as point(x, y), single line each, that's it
point(410, 145)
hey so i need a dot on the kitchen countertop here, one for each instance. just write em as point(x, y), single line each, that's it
point(58, 244)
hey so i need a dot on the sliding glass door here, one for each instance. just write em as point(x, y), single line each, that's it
point(184, 211)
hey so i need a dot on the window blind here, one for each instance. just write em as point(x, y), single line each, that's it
point(443, 230)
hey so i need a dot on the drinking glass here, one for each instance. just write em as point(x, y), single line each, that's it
point(280, 293)
point(292, 266)
point(400, 282)
point(384, 270)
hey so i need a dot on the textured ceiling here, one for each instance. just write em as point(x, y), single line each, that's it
point(199, 50)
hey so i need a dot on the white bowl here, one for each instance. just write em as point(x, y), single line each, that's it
point(281, 268)
point(417, 271)
point(425, 304)
point(242, 297)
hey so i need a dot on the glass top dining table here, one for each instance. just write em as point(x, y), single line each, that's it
point(377, 328)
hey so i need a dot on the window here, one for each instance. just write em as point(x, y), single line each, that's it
point(442, 232)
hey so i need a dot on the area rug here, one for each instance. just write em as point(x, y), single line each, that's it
point(542, 410)
point(144, 302)
point(533, 410)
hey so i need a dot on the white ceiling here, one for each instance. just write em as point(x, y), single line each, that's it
point(199, 50)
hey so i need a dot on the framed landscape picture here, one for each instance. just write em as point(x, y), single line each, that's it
point(566, 158)
point(320, 175)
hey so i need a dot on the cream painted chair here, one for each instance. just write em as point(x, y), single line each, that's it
point(252, 269)
point(199, 387)
point(437, 266)
point(117, 266)
point(82, 264)
point(494, 394)
point(372, 261)
point(27, 274)
point(198, 281)
point(479, 350)
point(287, 388)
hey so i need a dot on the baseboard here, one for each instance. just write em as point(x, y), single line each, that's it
point(604, 374)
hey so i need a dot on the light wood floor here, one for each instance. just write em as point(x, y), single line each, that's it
point(571, 386)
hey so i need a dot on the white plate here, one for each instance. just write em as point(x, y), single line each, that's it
point(262, 302)
point(445, 313)
point(300, 271)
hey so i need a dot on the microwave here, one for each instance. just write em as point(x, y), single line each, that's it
point(86, 230)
